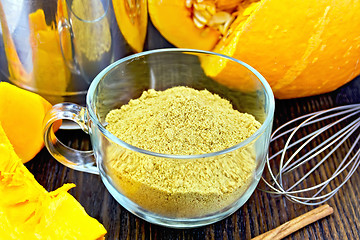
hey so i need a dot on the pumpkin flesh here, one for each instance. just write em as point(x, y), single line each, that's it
point(174, 21)
point(21, 115)
point(28, 211)
point(131, 16)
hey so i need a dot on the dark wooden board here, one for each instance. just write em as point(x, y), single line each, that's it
point(261, 212)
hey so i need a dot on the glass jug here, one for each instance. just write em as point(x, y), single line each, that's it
point(56, 47)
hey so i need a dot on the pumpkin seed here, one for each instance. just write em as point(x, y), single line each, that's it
point(200, 17)
point(227, 25)
point(198, 23)
point(220, 18)
point(204, 14)
point(210, 14)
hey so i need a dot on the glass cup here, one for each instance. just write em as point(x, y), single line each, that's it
point(179, 191)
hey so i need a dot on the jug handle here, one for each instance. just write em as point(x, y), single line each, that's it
point(64, 25)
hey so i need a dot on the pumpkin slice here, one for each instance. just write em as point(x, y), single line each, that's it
point(63, 216)
point(28, 211)
point(175, 22)
point(21, 114)
point(301, 47)
point(131, 16)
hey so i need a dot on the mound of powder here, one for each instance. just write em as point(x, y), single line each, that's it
point(181, 121)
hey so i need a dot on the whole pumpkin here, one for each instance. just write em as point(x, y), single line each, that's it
point(302, 47)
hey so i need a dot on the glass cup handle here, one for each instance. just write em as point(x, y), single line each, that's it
point(79, 160)
point(70, 61)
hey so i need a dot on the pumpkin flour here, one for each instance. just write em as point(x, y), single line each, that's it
point(181, 121)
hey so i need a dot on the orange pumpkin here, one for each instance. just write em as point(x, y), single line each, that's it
point(301, 47)
point(28, 211)
point(21, 115)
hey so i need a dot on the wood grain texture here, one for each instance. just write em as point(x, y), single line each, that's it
point(261, 213)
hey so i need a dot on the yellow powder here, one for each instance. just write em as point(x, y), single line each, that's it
point(181, 121)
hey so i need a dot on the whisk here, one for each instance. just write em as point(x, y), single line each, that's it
point(307, 171)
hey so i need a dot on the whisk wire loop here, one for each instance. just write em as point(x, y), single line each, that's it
point(335, 138)
point(319, 190)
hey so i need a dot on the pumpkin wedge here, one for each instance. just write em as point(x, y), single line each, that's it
point(28, 211)
point(301, 47)
point(132, 18)
point(21, 114)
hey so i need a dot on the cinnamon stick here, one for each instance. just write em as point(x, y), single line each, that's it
point(296, 223)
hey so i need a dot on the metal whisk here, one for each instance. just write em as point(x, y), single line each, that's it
point(305, 170)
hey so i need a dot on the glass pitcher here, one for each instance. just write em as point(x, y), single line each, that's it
point(56, 47)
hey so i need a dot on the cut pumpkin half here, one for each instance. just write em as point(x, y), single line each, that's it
point(301, 47)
